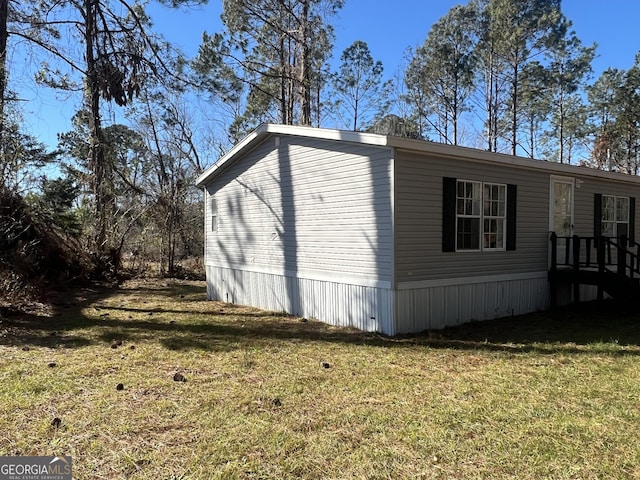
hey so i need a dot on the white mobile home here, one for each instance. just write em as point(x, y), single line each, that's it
point(397, 235)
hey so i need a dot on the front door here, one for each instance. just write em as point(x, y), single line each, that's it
point(561, 212)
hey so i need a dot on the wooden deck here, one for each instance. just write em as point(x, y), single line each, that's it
point(611, 264)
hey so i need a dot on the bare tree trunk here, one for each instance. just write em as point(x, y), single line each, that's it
point(489, 103)
point(4, 35)
point(97, 163)
point(514, 111)
point(304, 86)
point(283, 82)
point(454, 113)
point(532, 137)
point(494, 117)
point(561, 133)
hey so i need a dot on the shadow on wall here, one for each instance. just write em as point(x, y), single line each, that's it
point(273, 216)
point(289, 232)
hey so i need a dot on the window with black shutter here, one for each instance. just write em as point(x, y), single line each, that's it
point(614, 216)
point(478, 216)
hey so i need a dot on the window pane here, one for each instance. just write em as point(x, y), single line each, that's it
point(496, 200)
point(493, 241)
point(468, 198)
point(493, 236)
point(623, 229)
point(608, 229)
point(468, 190)
point(622, 209)
point(468, 207)
point(476, 207)
point(477, 190)
point(477, 198)
point(468, 234)
point(608, 208)
point(465, 204)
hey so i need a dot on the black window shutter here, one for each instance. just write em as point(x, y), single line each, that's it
point(448, 214)
point(597, 215)
point(632, 219)
point(512, 200)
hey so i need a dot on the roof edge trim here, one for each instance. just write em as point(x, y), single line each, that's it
point(402, 144)
point(300, 131)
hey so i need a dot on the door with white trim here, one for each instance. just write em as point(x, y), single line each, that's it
point(561, 211)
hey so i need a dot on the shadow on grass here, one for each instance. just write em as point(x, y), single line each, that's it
point(592, 328)
point(155, 313)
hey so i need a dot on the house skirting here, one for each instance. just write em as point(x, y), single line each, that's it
point(565, 294)
point(368, 308)
point(436, 304)
point(413, 307)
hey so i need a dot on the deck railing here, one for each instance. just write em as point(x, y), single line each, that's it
point(605, 255)
point(613, 254)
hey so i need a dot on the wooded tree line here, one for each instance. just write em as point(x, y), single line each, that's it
point(502, 75)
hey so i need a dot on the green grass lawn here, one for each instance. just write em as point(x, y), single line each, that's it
point(268, 396)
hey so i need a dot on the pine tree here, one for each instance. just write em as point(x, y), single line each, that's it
point(267, 57)
point(359, 88)
point(442, 72)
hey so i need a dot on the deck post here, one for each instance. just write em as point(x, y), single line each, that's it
point(553, 283)
point(600, 258)
point(622, 255)
point(576, 267)
point(554, 251)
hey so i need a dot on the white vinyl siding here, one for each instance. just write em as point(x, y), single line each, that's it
point(306, 207)
point(419, 221)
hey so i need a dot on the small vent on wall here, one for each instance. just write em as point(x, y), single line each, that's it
point(277, 141)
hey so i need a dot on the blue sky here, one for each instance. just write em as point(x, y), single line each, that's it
point(388, 27)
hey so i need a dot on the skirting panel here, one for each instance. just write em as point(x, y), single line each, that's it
point(435, 307)
point(366, 308)
point(588, 293)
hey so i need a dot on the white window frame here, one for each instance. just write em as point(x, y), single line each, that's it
point(213, 213)
point(476, 201)
point(613, 215)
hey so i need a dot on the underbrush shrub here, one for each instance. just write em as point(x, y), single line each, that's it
point(36, 254)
